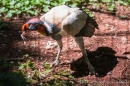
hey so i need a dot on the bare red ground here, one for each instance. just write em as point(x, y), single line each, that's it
point(105, 51)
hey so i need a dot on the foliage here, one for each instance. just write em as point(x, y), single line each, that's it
point(9, 78)
point(18, 8)
point(25, 73)
point(34, 75)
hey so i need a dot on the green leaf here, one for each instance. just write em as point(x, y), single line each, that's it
point(26, 55)
point(90, 3)
point(56, 75)
point(12, 11)
point(111, 7)
point(18, 12)
point(2, 10)
point(95, 0)
point(18, 5)
point(5, 2)
point(129, 1)
point(46, 9)
point(54, 3)
point(122, 2)
point(47, 65)
point(27, 2)
point(31, 12)
point(12, 2)
point(21, 66)
point(36, 12)
point(47, 2)
point(47, 71)
point(83, 80)
point(29, 64)
point(9, 15)
point(91, 15)
point(123, 17)
point(74, 5)
point(64, 73)
point(107, 0)
point(60, 1)
point(71, 77)
point(11, 7)
point(125, 3)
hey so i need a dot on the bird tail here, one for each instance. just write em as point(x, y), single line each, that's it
point(93, 22)
point(89, 28)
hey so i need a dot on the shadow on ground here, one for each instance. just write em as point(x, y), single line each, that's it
point(9, 57)
point(10, 78)
point(103, 59)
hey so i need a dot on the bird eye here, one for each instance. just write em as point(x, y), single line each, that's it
point(35, 24)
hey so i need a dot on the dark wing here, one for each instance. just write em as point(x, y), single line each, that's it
point(89, 28)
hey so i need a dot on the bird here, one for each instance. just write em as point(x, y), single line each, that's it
point(61, 21)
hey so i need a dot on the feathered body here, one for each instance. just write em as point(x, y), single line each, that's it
point(69, 21)
point(61, 21)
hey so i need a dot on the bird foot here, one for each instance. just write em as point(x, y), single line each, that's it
point(55, 63)
point(91, 70)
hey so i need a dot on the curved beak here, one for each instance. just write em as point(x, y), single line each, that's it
point(24, 29)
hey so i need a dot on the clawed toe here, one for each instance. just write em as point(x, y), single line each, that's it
point(94, 71)
point(55, 63)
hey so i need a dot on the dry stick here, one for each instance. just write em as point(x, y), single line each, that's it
point(115, 78)
point(123, 70)
point(121, 56)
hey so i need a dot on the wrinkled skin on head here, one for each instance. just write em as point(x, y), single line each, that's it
point(34, 25)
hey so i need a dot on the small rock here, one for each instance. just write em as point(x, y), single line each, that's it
point(43, 75)
point(124, 40)
point(51, 45)
point(109, 73)
point(19, 50)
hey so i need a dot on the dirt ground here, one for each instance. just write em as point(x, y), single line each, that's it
point(108, 51)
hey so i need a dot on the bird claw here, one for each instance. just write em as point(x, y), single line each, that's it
point(23, 37)
point(91, 68)
point(92, 71)
point(55, 63)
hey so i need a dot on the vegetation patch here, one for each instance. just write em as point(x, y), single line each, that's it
point(28, 8)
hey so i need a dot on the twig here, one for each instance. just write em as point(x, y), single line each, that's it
point(123, 71)
point(115, 78)
point(121, 56)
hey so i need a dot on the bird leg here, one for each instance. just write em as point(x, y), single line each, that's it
point(56, 62)
point(80, 42)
